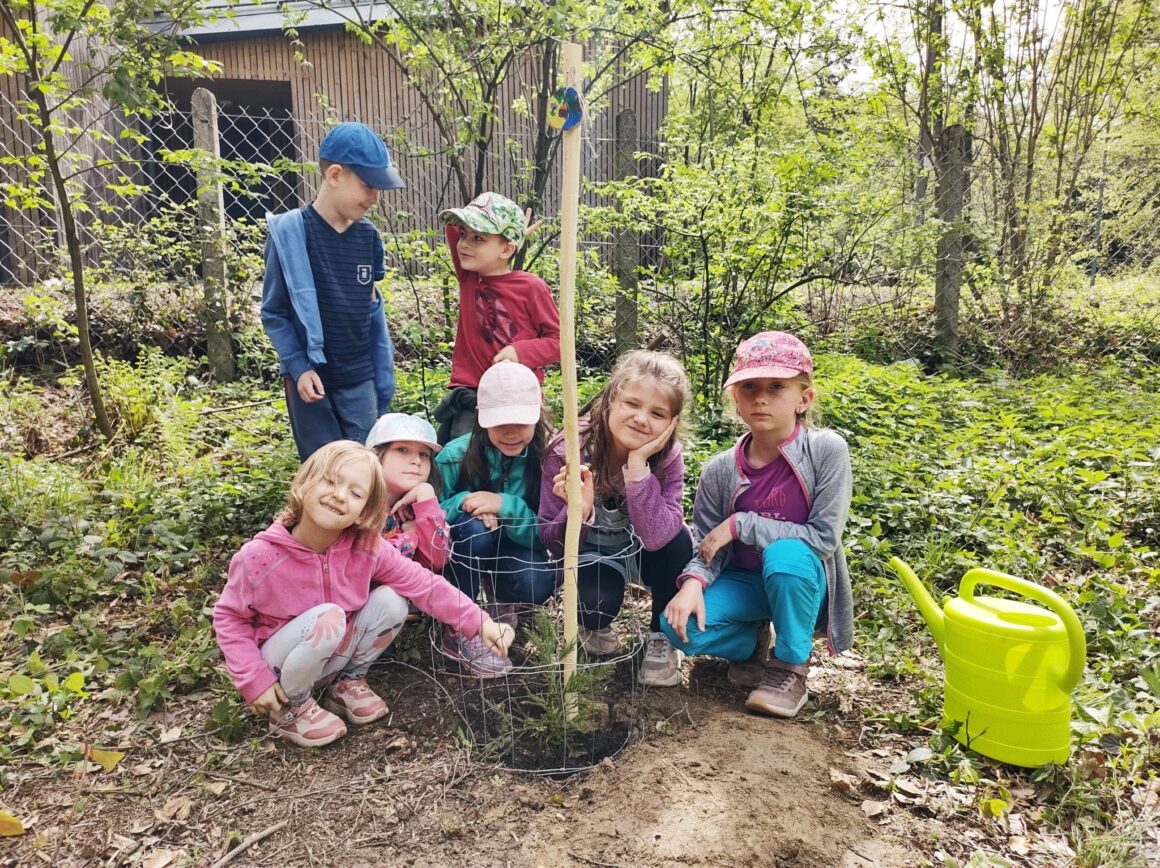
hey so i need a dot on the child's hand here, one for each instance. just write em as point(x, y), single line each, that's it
point(532, 227)
point(498, 637)
point(422, 491)
point(310, 387)
point(271, 700)
point(638, 458)
point(715, 540)
point(507, 354)
point(690, 600)
point(587, 489)
point(481, 503)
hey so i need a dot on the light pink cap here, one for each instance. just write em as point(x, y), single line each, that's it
point(508, 394)
point(773, 355)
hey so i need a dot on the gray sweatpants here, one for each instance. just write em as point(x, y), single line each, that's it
point(322, 643)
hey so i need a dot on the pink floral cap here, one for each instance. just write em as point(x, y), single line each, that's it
point(776, 355)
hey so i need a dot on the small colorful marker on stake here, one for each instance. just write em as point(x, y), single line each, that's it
point(565, 109)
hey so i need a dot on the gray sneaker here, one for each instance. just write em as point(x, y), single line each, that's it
point(782, 691)
point(598, 643)
point(662, 663)
point(749, 673)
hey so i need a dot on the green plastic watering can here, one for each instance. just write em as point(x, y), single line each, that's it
point(1009, 666)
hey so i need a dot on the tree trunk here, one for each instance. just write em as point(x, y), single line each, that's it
point(211, 216)
point(952, 165)
point(76, 259)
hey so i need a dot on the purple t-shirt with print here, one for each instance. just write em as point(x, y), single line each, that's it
point(774, 492)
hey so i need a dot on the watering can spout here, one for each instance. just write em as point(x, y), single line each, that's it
point(927, 606)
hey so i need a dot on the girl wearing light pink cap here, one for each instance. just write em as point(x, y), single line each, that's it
point(491, 484)
point(768, 517)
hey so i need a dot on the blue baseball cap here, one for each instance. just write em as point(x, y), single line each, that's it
point(358, 146)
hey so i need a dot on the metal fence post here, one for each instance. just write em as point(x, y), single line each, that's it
point(212, 220)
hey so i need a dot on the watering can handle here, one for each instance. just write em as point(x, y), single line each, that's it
point(1075, 637)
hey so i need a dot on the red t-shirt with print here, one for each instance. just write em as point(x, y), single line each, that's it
point(515, 309)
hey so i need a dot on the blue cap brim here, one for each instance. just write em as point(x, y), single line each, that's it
point(380, 178)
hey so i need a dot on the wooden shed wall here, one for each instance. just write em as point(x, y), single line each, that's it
point(360, 82)
point(342, 79)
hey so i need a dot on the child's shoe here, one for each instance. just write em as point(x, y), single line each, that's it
point(782, 691)
point(474, 655)
point(307, 724)
point(354, 700)
point(749, 673)
point(662, 663)
point(598, 643)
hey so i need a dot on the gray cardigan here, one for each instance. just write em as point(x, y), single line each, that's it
point(821, 461)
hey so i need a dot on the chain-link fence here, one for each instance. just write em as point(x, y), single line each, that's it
point(139, 225)
point(150, 187)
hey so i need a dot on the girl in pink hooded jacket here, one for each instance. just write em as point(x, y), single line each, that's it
point(314, 599)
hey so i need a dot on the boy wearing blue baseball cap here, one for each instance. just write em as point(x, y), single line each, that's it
point(320, 306)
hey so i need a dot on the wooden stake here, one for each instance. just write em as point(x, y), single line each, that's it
point(571, 56)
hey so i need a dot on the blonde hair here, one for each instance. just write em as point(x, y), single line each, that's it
point(661, 370)
point(327, 461)
point(810, 417)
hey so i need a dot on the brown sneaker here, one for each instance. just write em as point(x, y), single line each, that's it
point(782, 691)
point(750, 672)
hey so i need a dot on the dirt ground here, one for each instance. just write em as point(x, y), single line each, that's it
point(699, 783)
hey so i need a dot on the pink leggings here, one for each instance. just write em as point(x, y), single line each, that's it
point(323, 643)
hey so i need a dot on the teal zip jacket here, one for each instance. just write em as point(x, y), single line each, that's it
point(518, 520)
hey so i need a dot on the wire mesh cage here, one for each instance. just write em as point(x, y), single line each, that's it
point(526, 715)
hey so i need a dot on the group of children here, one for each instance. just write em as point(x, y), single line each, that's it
point(477, 512)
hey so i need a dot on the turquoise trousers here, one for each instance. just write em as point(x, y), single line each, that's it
point(790, 593)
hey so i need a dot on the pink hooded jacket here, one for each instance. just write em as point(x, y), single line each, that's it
point(274, 579)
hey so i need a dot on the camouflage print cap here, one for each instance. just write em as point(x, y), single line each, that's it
point(493, 214)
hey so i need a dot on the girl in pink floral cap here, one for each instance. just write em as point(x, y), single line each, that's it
point(768, 519)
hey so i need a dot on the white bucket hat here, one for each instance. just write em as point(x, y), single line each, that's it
point(393, 427)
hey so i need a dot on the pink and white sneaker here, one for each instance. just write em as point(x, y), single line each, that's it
point(307, 725)
point(354, 700)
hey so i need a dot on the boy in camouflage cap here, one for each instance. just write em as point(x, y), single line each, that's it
point(503, 313)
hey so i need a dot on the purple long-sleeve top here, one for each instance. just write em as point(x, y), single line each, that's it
point(653, 498)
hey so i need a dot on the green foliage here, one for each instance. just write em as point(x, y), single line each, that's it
point(541, 717)
point(38, 701)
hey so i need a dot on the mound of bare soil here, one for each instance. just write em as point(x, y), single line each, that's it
point(700, 783)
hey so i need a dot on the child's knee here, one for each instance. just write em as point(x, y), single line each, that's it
point(329, 628)
point(792, 561)
point(388, 607)
point(472, 536)
point(784, 552)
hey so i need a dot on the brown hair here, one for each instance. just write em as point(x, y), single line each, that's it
point(661, 370)
point(327, 461)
